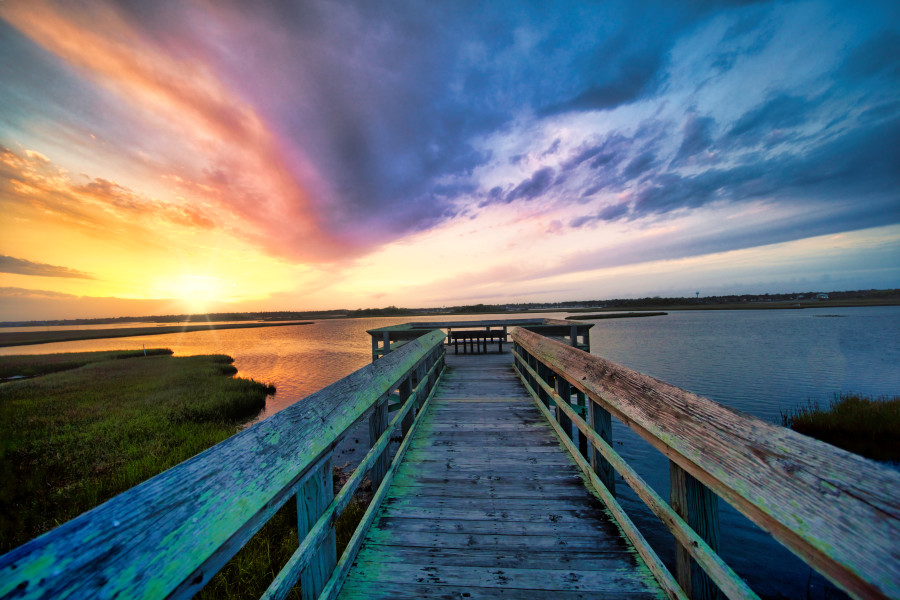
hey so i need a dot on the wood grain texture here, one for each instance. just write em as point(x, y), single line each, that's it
point(732, 585)
point(312, 500)
point(324, 526)
point(697, 505)
point(839, 512)
point(170, 534)
point(481, 484)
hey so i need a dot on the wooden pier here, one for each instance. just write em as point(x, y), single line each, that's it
point(502, 485)
point(487, 503)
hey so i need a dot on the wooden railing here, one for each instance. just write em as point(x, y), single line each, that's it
point(387, 339)
point(838, 512)
point(169, 535)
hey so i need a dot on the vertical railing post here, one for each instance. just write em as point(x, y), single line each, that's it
point(542, 372)
point(422, 373)
point(573, 336)
point(583, 444)
point(601, 421)
point(378, 423)
point(699, 507)
point(386, 340)
point(374, 347)
point(312, 499)
point(405, 389)
point(565, 392)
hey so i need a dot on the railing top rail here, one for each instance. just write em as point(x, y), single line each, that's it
point(161, 535)
point(839, 512)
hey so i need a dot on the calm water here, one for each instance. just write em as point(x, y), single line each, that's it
point(761, 362)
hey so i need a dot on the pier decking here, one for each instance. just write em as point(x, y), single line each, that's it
point(487, 503)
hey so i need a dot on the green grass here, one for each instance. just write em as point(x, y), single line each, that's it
point(22, 338)
point(72, 439)
point(867, 426)
point(90, 425)
point(32, 365)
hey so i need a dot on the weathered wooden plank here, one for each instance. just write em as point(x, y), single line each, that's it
point(346, 560)
point(662, 575)
point(312, 499)
point(496, 527)
point(619, 578)
point(324, 526)
point(467, 540)
point(168, 535)
point(566, 499)
point(572, 515)
point(435, 505)
point(585, 560)
point(601, 421)
point(520, 479)
point(427, 591)
point(840, 513)
point(699, 507)
point(724, 577)
point(378, 422)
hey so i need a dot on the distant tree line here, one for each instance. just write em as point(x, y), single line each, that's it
point(394, 311)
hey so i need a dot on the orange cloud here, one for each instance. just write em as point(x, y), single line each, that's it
point(99, 205)
point(270, 200)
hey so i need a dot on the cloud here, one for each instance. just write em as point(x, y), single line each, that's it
point(639, 165)
point(861, 164)
point(875, 56)
point(319, 131)
point(17, 292)
point(633, 79)
point(778, 111)
point(697, 137)
point(20, 266)
point(265, 192)
point(532, 187)
point(99, 205)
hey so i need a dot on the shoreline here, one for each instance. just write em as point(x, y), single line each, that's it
point(30, 338)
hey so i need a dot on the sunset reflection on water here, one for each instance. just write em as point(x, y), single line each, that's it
point(299, 359)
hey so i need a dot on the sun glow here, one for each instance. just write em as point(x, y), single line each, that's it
point(199, 292)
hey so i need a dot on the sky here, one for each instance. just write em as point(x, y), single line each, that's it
point(198, 155)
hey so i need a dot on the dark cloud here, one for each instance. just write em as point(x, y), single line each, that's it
point(612, 212)
point(875, 56)
point(778, 111)
point(532, 187)
point(20, 266)
point(580, 157)
point(634, 79)
point(862, 163)
point(639, 165)
point(697, 137)
point(552, 149)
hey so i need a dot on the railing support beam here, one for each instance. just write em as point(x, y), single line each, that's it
point(601, 421)
point(699, 507)
point(312, 499)
point(405, 389)
point(378, 423)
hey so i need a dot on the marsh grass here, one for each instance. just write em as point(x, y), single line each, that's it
point(90, 425)
point(867, 426)
point(33, 365)
point(96, 424)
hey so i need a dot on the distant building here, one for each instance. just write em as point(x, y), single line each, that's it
point(821, 296)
